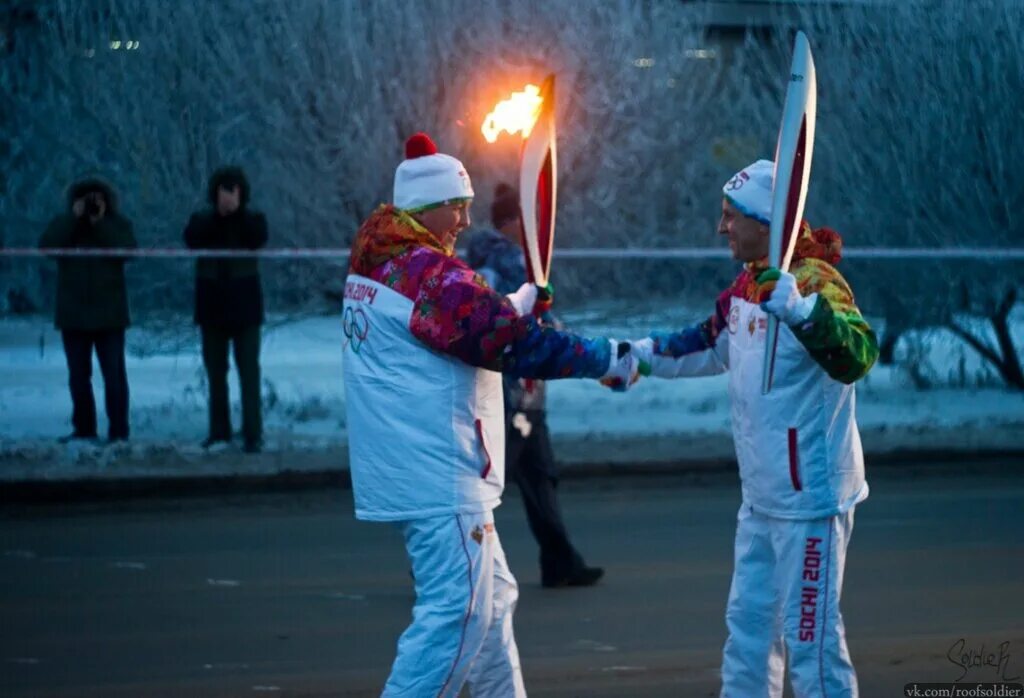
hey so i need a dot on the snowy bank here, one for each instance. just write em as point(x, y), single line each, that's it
point(304, 405)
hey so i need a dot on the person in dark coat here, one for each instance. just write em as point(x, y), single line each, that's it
point(229, 302)
point(92, 304)
point(497, 256)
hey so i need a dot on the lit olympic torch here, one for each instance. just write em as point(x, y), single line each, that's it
point(532, 113)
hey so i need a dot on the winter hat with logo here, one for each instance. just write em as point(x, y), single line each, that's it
point(750, 190)
point(428, 179)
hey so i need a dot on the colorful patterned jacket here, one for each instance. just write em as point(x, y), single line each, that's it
point(798, 447)
point(426, 341)
point(500, 261)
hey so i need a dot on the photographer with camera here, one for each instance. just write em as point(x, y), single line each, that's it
point(92, 304)
point(229, 303)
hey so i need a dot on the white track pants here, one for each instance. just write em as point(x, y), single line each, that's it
point(784, 604)
point(461, 630)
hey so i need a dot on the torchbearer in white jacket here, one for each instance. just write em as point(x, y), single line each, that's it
point(798, 448)
point(426, 341)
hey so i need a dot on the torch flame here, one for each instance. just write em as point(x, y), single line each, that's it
point(517, 113)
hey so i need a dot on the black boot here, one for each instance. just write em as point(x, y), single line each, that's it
point(579, 577)
point(75, 436)
point(212, 441)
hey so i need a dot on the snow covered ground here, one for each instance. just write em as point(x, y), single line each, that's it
point(305, 416)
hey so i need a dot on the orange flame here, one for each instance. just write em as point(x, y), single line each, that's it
point(517, 113)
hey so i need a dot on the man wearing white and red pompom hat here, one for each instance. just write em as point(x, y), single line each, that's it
point(425, 342)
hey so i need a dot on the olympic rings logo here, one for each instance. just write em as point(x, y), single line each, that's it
point(737, 182)
point(356, 327)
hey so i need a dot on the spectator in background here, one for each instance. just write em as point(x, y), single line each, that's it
point(498, 257)
point(92, 304)
point(229, 303)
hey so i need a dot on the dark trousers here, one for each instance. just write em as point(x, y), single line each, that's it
point(246, 344)
point(531, 463)
point(109, 346)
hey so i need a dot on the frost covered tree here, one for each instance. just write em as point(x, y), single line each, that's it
point(916, 138)
point(315, 100)
point(916, 146)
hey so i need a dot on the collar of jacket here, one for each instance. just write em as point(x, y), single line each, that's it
point(235, 215)
point(388, 233)
point(820, 243)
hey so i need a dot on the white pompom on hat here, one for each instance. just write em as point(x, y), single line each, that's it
point(750, 190)
point(427, 178)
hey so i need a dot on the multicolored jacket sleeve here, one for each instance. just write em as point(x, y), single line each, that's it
point(457, 314)
point(836, 335)
point(702, 350)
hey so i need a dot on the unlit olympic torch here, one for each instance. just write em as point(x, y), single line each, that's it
point(792, 171)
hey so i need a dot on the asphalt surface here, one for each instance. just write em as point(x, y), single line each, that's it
point(288, 595)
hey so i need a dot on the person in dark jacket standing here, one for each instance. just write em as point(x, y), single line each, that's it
point(92, 304)
point(229, 302)
point(497, 256)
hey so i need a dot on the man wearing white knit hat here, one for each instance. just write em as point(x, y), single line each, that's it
point(750, 191)
point(434, 188)
point(426, 342)
point(798, 448)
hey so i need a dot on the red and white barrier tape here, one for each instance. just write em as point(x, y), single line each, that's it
point(171, 252)
point(992, 254)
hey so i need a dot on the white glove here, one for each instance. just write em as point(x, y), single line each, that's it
point(623, 368)
point(522, 423)
point(643, 350)
point(786, 303)
point(523, 299)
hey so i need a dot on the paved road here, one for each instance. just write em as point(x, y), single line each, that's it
point(287, 595)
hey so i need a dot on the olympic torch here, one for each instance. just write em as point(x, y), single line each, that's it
point(792, 172)
point(532, 113)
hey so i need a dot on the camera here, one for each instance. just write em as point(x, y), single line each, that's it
point(93, 201)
